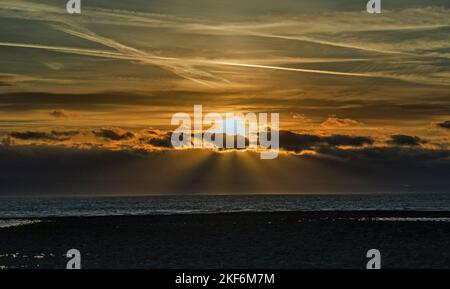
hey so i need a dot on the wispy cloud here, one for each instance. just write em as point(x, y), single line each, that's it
point(346, 30)
point(10, 79)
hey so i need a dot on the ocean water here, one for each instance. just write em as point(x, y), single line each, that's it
point(168, 205)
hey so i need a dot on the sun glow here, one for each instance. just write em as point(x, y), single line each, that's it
point(232, 126)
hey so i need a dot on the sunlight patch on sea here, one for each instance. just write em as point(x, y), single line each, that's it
point(16, 223)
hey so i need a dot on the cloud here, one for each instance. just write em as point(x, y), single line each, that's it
point(288, 140)
point(334, 122)
point(160, 104)
point(54, 65)
point(185, 68)
point(346, 140)
point(445, 124)
point(315, 59)
point(160, 142)
point(56, 19)
point(421, 32)
point(61, 171)
point(409, 155)
point(291, 141)
point(42, 135)
point(405, 140)
point(59, 113)
point(158, 139)
point(109, 101)
point(114, 134)
point(10, 79)
point(154, 140)
point(6, 141)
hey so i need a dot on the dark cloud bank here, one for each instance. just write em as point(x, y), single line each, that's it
point(445, 124)
point(113, 134)
point(54, 170)
point(291, 141)
point(405, 140)
point(49, 136)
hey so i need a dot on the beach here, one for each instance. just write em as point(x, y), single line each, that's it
point(278, 240)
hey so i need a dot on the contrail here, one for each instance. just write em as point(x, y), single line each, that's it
point(328, 72)
point(187, 72)
point(151, 59)
point(122, 56)
point(69, 50)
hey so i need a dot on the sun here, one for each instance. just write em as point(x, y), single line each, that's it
point(232, 126)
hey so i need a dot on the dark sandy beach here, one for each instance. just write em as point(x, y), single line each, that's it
point(234, 240)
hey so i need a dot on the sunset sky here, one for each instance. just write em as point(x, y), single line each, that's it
point(86, 100)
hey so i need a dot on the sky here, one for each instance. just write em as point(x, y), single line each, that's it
point(86, 100)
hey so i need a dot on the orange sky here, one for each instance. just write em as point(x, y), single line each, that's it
point(347, 85)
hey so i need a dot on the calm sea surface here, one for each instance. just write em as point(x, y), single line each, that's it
point(105, 206)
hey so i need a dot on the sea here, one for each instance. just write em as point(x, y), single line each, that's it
point(34, 207)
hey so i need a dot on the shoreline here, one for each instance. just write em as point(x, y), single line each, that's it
point(302, 214)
